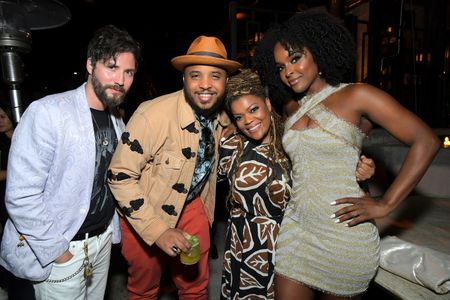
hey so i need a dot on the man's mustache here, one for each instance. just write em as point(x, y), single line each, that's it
point(116, 87)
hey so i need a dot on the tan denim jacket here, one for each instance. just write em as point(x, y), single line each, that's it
point(153, 165)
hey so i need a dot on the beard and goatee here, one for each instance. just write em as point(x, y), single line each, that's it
point(108, 100)
point(206, 112)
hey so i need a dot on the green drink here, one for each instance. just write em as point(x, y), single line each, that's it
point(194, 256)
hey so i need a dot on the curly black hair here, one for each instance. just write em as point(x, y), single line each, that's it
point(109, 41)
point(264, 64)
point(325, 36)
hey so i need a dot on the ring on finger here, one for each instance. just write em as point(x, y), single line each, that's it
point(175, 249)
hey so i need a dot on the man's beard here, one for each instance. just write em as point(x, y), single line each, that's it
point(208, 112)
point(100, 92)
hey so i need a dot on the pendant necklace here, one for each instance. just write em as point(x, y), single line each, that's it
point(105, 141)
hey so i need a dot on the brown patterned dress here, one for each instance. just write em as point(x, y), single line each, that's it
point(254, 220)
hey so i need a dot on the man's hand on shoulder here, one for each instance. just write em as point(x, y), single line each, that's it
point(228, 131)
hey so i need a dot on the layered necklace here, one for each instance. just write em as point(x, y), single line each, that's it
point(105, 141)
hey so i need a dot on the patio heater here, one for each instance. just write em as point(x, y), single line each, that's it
point(17, 19)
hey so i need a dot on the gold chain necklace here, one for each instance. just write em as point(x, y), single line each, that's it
point(105, 141)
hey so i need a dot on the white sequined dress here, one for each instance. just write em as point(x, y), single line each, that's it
point(312, 248)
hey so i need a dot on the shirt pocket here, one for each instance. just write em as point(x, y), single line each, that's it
point(168, 167)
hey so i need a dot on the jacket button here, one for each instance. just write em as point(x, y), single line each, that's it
point(169, 209)
point(193, 154)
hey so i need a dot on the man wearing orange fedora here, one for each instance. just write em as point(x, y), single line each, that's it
point(163, 174)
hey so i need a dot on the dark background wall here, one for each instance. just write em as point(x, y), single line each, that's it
point(57, 59)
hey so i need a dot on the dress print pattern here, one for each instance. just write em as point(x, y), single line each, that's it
point(254, 221)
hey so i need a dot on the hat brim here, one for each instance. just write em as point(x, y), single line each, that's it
point(180, 62)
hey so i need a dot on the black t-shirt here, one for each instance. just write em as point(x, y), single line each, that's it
point(102, 205)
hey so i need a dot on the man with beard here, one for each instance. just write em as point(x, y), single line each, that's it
point(163, 174)
point(62, 213)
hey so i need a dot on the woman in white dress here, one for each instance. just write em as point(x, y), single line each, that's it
point(328, 245)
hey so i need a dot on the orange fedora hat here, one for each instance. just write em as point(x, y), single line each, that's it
point(206, 50)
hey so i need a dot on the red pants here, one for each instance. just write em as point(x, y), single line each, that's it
point(146, 263)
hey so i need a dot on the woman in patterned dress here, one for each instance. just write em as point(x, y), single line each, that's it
point(257, 167)
point(328, 245)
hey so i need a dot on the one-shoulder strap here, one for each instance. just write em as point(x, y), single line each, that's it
point(310, 101)
point(336, 126)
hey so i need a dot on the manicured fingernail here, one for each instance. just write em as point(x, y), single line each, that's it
point(333, 203)
point(332, 216)
point(346, 225)
point(337, 221)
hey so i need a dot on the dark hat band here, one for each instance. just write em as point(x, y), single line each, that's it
point(205, 53)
